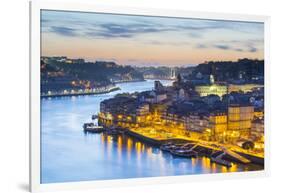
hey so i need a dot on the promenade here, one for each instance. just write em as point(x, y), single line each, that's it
point(158, 138)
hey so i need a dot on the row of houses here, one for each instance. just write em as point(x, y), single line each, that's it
point(235, 122)
point(229, 118)
point(232, 123)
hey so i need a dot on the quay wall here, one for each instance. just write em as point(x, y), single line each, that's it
point(145, 139)
point(253, 159)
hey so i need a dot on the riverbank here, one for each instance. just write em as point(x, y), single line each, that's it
point(206, 150)
point(128, 81)
point(96, 92)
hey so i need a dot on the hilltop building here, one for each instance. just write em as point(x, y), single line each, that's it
point(212, 88)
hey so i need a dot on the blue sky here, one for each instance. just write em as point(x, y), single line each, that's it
point(142, 40)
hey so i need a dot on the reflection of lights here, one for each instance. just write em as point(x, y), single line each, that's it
point(102, 139)
point(206, 163)
point(108, 139)
point(233, 168)
point(193, 162)
point(119, 146)
point(109, 145)
point(129, 146)
point(143, 148)
point(149, 151)
point(214, 167)
point(138, 147)
point(119, 142)
point(224, 169)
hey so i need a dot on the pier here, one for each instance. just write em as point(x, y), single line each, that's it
point(236, 156)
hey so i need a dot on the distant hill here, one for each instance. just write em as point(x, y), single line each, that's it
point(98, 71)
point(58, 75)
point(245, 69)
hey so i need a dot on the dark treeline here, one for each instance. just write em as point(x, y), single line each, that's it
point(97, 71)
point(245, 69)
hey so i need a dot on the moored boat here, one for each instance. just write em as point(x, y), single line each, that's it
point(94, 117)
point(91, 127)
point(170, 147)
point(184, 153)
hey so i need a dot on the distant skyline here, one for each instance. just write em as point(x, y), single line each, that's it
point(146, 41)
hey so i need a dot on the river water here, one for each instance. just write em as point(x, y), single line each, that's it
point(70, 155)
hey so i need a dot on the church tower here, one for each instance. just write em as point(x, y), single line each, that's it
point(212, 79)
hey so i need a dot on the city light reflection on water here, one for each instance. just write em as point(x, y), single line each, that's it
point(68, 154)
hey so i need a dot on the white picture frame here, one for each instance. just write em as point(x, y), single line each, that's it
point(36, 6)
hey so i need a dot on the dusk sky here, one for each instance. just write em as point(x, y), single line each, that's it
point(142, 40)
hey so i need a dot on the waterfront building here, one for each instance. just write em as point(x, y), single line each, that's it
point(119, 111)
point(207, 126)
point(257, 131)
point(218, 125)
point(169, 110)
point(142, 114)
point(240, 117)
point(197, 125)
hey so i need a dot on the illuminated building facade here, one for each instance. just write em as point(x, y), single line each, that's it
point(215, 89)
point(211, 89)
point(240, 119)
point(218, 126)
point(206, 118)
point(257, 131)
point(243, 87)
point(197, 126)
point(259, 113)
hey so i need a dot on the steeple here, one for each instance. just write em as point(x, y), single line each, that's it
point(212, 79)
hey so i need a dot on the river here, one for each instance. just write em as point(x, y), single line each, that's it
point(70, 155)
